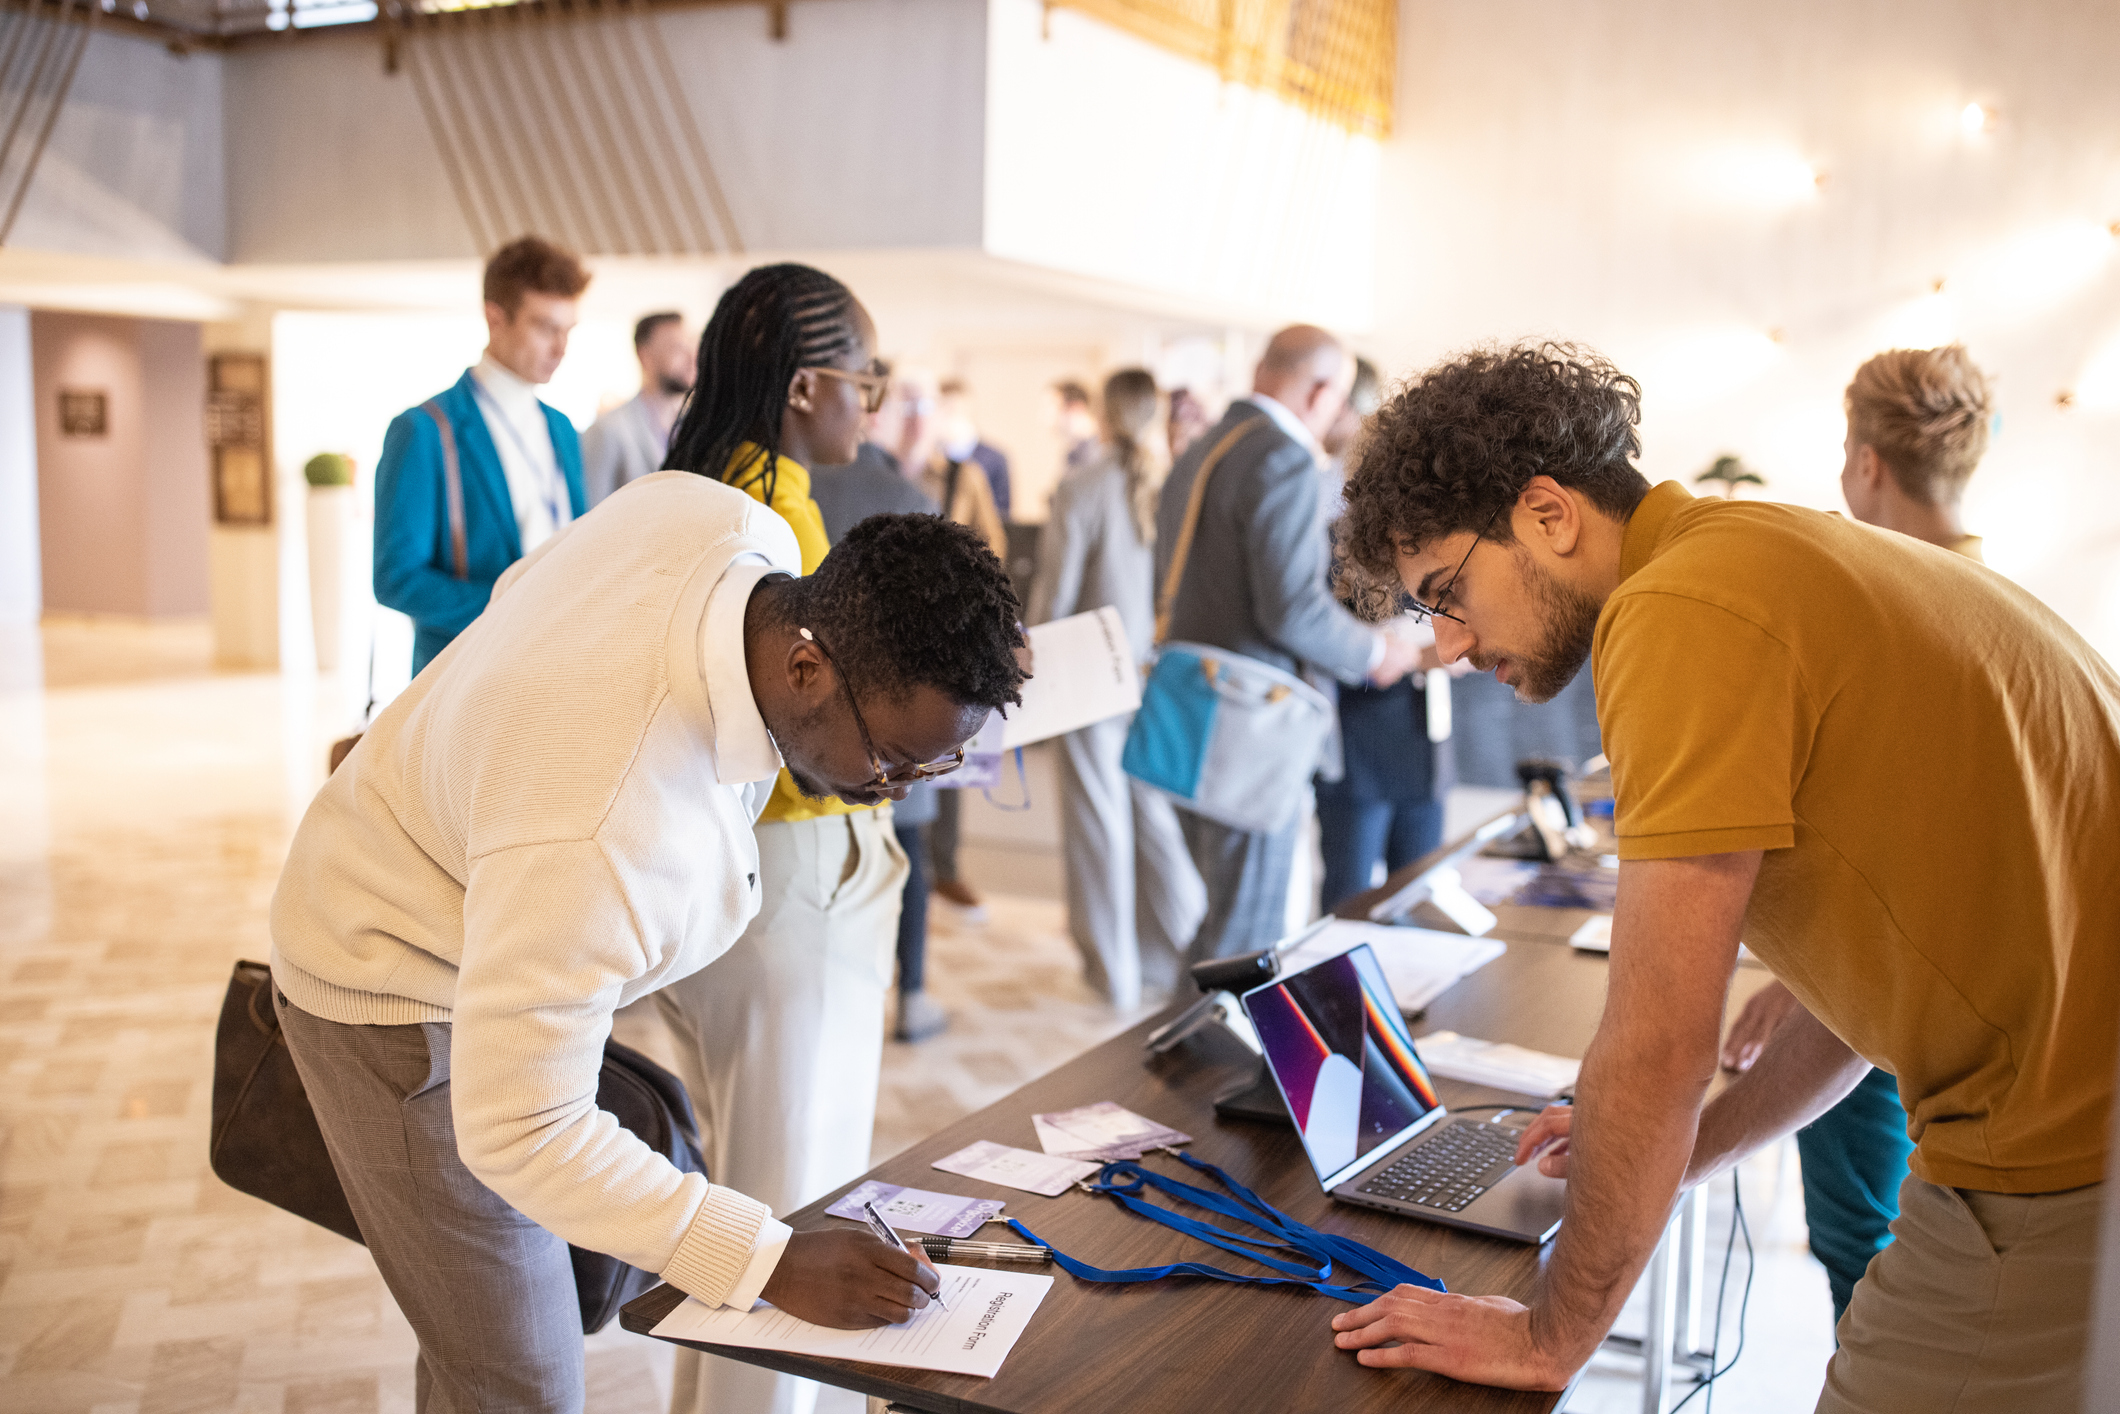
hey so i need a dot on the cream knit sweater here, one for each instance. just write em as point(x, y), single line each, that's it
point(553, 820)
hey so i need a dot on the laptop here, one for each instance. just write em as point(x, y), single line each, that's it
point(1368, 1114)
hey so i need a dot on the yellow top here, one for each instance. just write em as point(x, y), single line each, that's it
point(791, 498)
point(1931, 759)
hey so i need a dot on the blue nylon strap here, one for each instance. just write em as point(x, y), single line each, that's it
point(1128, 1183)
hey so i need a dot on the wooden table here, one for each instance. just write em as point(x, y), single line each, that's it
point(1184, 1345)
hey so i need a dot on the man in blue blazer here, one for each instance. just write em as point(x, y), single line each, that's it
point(451, 515)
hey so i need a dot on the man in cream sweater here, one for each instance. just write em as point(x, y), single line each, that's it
point(555, 821)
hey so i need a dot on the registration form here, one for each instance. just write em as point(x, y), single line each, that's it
point(988, 1312)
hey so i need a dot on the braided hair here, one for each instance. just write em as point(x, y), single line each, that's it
point(775, 320)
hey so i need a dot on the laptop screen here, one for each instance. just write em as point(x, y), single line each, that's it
point(1341, 1054)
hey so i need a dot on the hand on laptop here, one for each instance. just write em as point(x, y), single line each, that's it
point(1765, 1010)
point(1546, 1139)
point(1483, 1339)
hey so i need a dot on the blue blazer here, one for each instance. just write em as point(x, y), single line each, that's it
point(415, 568)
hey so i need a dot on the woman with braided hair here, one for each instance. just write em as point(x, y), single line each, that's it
point(781, 1041)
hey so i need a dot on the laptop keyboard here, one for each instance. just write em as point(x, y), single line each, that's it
point(1448, 1171)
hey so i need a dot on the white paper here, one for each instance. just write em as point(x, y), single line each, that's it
point(1047, 1175)
point(1595, 935)
point(1496, 1063)
point(1102, 1132)
point(1084, 671)
point(989, 1309)
point(1420, 964)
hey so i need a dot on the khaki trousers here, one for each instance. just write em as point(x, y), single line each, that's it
point(780, 1042)
point(1981, 1305)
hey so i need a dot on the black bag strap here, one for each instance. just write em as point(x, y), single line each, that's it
point(452, 486)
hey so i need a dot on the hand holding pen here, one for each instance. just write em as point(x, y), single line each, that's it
point(889, 1234)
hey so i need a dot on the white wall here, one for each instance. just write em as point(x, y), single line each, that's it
point(134, 166)
point(1632, 176)
point(861, 129)
point(1108, 157)
point(21, 575)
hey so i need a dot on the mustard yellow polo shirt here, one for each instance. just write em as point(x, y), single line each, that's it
point(792, 499)
point(1931, 760)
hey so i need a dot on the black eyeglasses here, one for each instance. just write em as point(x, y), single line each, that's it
point(886, 779)
point(1436, 610)
point(871, 384)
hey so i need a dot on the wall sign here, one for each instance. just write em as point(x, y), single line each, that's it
point(84, 412)
point(235, 430)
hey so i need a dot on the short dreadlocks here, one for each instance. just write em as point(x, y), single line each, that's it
point(907, 600)
point(1455, 445)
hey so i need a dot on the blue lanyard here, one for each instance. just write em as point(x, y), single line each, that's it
point(1128, 1182)
point(500, 415)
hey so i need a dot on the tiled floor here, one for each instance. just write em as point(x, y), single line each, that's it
point(144, 808)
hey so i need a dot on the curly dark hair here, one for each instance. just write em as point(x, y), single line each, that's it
point(905, 600)
point(1453, 446)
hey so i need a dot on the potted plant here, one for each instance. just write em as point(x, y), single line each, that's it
point(334, 520)
point(1732, 473)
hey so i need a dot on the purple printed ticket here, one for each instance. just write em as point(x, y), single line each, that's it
point(917, 1210)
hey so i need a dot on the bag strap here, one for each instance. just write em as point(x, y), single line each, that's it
point(1193, 501)
point(453, 487)
point(949, 488)
point(1128, 1181)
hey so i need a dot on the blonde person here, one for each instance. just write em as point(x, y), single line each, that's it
point(783, 1045)
point(1917, 426)
point(1133, 897)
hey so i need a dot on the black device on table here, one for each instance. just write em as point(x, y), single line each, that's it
point(1369, 1117)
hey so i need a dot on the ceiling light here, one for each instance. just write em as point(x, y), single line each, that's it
point(1975, 118)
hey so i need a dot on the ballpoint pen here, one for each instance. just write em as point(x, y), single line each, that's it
point(890, 1234)
point(943, 1249)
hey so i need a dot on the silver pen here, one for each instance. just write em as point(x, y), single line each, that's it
point(944, 1249)
point(890, 1234)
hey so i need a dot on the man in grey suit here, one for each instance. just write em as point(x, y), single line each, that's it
point(1255, 583)
point(632, 439)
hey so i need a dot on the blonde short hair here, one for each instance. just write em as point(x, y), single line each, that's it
point(1926, 413)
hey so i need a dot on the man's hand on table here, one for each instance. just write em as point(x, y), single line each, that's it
point(1485, 1340)
point(849, 1280)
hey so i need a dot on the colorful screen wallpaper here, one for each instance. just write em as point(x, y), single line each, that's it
point(1343, 1057)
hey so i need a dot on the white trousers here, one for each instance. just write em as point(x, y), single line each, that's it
point(1134, 899)
point(781, 1043)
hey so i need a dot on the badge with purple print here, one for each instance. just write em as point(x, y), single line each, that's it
point(917, 1210)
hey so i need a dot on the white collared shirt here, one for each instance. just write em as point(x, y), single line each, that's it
point(1287, 421)
point(515, 420)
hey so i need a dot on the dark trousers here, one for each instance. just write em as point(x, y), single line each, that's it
point(942, 835)
point(1354, 833)
point(912, 913)
point(1854, 1159)
point(1246, 874)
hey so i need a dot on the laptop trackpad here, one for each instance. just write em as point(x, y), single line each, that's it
point(1526, 1202)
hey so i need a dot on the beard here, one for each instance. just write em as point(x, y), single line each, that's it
point(1570, 617)
point(673, 387)
point(795, 752)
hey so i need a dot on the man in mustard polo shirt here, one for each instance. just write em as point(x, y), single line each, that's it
point(1894, 774)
